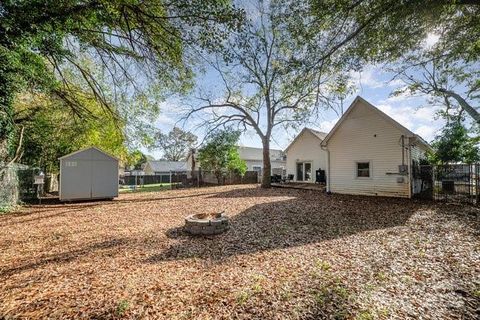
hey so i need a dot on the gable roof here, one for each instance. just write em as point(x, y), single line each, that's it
point(88, 148)
point(318, 134)
point(386, 117)
point(256, 154)
point(166, 166)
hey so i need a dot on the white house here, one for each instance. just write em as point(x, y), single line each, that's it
point(305, 155)
point(163, 167)
point(88, 174)
point(369, 153)
point(253, 158)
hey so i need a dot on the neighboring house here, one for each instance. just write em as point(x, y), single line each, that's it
point(305, 155)
point(369, 153)
point(163, 167)
point(253, 158)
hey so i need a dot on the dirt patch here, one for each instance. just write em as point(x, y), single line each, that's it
point(289, 254)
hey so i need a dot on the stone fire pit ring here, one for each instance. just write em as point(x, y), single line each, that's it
point(206, 224)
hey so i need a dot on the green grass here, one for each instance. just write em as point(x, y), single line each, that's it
point(147, 188)
point(122, 307)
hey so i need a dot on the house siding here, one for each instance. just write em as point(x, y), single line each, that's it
point(306, 148)
point(367, 136)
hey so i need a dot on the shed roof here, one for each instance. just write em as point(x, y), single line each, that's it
point(89, 149)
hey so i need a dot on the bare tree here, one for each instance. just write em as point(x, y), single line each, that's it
point(455, 85)
point(267, 81)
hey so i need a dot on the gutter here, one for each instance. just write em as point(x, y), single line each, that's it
point(324, 147)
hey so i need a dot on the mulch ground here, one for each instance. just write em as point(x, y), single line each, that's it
point(289, 254)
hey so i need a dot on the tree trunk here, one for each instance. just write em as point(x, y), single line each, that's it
point(463, 104)
point(267, 167)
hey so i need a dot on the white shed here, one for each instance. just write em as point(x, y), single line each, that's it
point(88, 174)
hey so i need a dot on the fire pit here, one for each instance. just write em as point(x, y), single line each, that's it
point(206, 223)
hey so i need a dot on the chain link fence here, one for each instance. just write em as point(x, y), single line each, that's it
point(17, 185)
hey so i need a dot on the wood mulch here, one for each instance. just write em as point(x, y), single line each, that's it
point(289, 254)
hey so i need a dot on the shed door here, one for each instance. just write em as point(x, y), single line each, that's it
point(104, 179)
point(76, 179)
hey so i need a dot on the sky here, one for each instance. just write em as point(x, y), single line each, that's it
point(373, 84)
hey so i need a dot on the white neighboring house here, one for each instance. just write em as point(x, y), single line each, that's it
point(163, 167)
point(305, 155)
point(369, 153)
point(253, 158)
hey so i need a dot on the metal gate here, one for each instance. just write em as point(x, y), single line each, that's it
point(458, 183)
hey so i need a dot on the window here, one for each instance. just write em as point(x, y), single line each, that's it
point(304, 171)
point(257, 169)
point(71, 163)
point(363, 169)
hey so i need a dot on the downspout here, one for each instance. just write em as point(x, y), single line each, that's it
point(328, 166)
point(410, 176)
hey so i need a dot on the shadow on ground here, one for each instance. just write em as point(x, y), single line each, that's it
point(309, 217)
point(65, 257)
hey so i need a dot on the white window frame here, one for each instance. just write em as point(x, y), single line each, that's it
point(303, 170)
point(370, 171)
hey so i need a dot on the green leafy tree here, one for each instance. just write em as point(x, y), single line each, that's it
point(220, 154)
point(50, 131)
point(132, 39)
point(455, 145)
point(235, 163)
point(401, 32)
point(176, 144)
point(137, 159)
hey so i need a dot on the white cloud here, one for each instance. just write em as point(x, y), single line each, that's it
point(431, 40)
point(327, 125)
point(427, 132)
point(374, 78)
point(366, 78)
point(402, 115)
point(419, 120)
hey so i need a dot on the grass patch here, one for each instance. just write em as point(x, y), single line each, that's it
point(242, 297)
point(147, 188)
point(122, 307)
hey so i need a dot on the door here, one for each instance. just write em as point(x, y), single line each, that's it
point(75, 179)
point(104, 179)
point(304, 171)
point(300, 171)
point(308, 171)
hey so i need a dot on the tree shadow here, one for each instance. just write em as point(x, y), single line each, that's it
point(258, 192)
point(310, 217)
point(64, 257)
